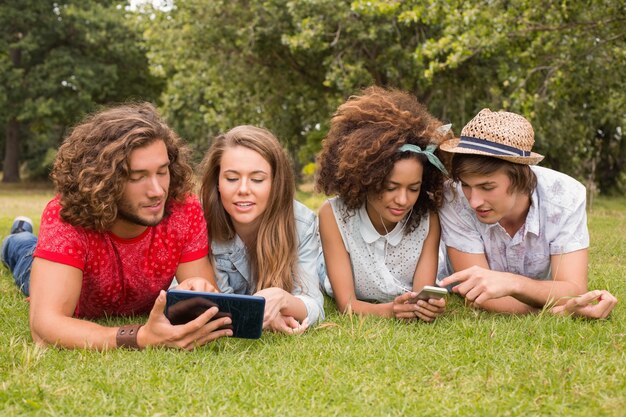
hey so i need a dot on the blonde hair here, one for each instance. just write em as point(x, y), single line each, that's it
point(273, 255)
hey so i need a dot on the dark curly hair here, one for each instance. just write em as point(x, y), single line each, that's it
point(363, 144)
point(91, 168)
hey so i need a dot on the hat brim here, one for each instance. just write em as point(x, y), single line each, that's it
point(452, 147)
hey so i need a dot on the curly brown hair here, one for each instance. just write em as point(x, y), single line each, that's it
point(91, 168)
point(363, 145)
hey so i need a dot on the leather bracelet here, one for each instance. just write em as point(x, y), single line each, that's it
point(127, 336)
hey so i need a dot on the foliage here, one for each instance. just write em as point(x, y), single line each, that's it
point(555, 63)
point(226, 65)
point(59, 60)
point(287, 65)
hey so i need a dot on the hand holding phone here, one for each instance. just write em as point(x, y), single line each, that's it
point(429, 291)
point(406, 306)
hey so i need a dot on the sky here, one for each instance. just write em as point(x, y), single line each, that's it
point(164, 5)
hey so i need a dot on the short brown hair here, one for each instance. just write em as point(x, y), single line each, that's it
point(91, 168)
point(523, 179)
point(363, 145)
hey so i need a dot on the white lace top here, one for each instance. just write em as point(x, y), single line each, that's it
point(382, 266)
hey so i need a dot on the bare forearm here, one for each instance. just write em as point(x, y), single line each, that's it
point(508, 305)
point(537, 293)
point(363, 307)
point(73, 333)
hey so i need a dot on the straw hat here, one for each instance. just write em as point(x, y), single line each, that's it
point(501, 134)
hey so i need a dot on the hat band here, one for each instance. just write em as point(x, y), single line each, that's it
point(493, 148)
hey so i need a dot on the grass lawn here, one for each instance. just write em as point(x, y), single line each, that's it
point(467, 363)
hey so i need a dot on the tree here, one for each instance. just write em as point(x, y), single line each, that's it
point(287, 65)
point(554, 62)
point(60, 60)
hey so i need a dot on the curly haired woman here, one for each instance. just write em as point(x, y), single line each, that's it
point(380, 234)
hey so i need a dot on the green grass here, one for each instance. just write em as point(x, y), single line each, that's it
point(466, 363)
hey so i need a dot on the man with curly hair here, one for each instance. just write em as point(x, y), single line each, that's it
point(123, 224)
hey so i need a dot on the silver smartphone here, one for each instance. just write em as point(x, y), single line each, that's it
point(431, 292)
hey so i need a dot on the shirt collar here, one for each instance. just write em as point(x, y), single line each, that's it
point(532, 218)
point(371, 235)
point(229, 247)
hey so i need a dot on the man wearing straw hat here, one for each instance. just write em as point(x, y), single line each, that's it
point(515, 233)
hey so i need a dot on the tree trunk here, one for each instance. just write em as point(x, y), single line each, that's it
point(11, 164)
point(12, 152)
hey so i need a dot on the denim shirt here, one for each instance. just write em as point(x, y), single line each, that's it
point(232, 266)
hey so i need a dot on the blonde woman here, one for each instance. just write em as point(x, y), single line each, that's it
point(263, 241)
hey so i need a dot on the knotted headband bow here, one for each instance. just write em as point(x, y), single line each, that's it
point(428, 152)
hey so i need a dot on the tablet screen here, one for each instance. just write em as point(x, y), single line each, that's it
point(246, 311)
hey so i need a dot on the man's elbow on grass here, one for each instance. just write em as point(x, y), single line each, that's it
point(36, 334)
point(44, 333)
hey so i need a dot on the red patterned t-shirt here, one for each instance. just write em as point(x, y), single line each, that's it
point(124, 276)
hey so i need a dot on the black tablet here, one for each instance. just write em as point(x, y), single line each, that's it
point(246, 311)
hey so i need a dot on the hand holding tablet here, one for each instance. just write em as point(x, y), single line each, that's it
point(246, 311)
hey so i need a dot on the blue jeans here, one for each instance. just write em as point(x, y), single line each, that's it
point(17, 254)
